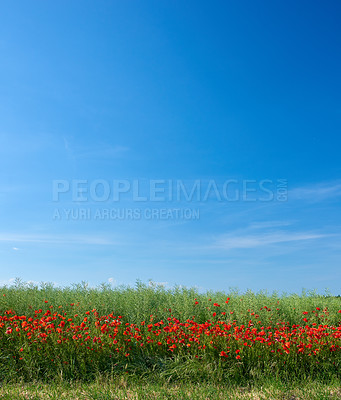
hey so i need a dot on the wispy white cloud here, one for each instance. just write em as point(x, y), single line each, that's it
point(316, 192)
point(95, 151)
point(66, 144)
point(270, 224)
point(58, 239)
point(229, 242)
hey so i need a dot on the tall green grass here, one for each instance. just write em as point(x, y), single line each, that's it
point(146, 302)
point(137, 303)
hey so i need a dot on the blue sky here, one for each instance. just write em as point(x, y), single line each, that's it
point(110, 94)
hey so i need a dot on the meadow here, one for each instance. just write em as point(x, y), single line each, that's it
point(161, 339)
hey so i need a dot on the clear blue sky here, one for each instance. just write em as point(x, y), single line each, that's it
point(179, 92)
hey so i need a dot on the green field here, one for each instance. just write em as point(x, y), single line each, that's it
point(123, 389)
point(150, 341)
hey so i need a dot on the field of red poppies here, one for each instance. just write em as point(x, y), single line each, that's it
point(175, 334)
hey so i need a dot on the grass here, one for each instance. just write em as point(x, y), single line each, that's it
point(225, 362)
point(139, 302)
point(122, 389)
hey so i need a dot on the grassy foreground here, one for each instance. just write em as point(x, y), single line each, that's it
point(122, 390)
point(150, 342)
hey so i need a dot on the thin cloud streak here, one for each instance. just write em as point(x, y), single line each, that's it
point(58, 239)
point(269, 224)
point(317, 192)
point(98, 151)
point(264, 239)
